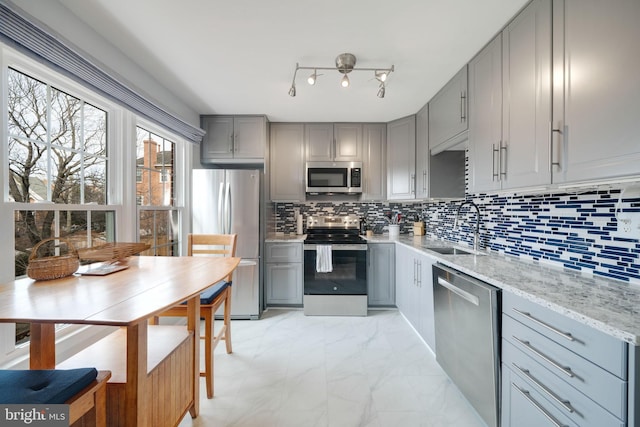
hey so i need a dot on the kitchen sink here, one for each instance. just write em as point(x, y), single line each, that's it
point(448, 250)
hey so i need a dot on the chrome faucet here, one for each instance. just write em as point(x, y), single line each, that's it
point(476, 236)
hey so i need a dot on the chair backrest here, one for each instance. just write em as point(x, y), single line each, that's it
point(212, 245)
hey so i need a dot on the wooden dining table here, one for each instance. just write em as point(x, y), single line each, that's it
point(155, 368)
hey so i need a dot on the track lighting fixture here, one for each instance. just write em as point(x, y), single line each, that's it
point(345, 63)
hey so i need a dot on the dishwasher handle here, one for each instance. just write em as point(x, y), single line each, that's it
point(461, 293)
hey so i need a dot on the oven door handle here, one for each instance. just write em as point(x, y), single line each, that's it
point(339, 247)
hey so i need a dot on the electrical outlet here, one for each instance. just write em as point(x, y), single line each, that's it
point(628, 225)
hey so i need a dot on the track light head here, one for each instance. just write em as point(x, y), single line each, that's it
point(312, 78)
point(292, 91)
point(344, 82)
point(382, 75)
point(381, 91)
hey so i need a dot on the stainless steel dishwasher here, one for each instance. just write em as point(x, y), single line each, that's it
point(467, 321)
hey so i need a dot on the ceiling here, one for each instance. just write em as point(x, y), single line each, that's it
point(239, 56)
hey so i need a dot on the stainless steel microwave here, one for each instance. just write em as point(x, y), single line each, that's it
point(334, 177)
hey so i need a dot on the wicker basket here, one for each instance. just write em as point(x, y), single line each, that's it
point(112, 251)
point(53, 267)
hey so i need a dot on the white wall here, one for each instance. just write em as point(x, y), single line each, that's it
point(62, 21)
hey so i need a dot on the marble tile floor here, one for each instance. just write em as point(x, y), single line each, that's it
point(292, 370)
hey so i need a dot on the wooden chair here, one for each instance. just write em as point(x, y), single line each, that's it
point(212, 298)
point(84, 390)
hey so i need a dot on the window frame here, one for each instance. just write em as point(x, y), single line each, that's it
point(121, 194)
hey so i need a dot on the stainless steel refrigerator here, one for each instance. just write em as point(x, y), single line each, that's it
point(228, 201)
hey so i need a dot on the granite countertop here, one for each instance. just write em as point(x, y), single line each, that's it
point(607, 305)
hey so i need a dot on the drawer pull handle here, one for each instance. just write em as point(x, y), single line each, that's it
point(565, 370)
point(564, 335)
point(564, 403)
point(544, 412)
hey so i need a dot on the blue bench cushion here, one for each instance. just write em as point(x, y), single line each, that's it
point(53, 386)
point(211, 293)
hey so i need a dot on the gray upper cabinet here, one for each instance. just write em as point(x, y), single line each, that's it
point(597, 86)
point(333, 142)
point(526, 80)
point(374, 149)
point(233, 139)
point(286, 164)
point(485, 109)
point(510, 105)
point(448, 118)
point(401, 163)
point(422, 153)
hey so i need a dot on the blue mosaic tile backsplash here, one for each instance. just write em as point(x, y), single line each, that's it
point(576, 231)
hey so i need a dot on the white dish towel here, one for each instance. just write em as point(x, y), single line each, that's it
point(323, 259)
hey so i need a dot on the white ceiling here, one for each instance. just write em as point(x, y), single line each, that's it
point(238, 56)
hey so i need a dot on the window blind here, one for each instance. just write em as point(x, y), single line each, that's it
point(31, 38)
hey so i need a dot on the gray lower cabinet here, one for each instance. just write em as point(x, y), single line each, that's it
point(381, 274)
point(414, 291)
point(557, 371)
point(283, 273)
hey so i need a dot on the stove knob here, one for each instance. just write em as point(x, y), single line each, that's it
point(335, 288)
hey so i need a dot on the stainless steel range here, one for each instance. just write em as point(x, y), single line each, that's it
point(335, 267)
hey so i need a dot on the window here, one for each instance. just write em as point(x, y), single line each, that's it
point(57, 160)
point(158, 219)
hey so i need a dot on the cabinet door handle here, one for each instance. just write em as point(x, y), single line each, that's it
point(551, 132)
point(415, 267)
point(413, 183)
point(231, 143)
point(502, 159)
point(494, 174)
point(565, 370)
point(424, 181)
point(565, 335)
point(562, 402)
point(544, 412)
point(419, 273)
point(463, 111)
point(335, 149)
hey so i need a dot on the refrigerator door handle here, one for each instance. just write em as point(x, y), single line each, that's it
point(228, 209)
point(220, 208)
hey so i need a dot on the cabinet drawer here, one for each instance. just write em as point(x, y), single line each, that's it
point(549, 391)
point(525, 406)
point(598, 347)
point(284, 252)
point(529, 354)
